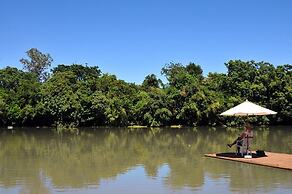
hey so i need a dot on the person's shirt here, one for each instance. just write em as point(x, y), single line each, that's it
point(249, 134)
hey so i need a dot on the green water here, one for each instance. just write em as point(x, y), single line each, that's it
point(137, 161)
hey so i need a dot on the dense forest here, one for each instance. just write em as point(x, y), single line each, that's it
point(85, 96)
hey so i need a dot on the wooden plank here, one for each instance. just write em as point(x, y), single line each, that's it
point(275, 160)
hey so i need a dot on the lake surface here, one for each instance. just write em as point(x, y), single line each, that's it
point(131, 161)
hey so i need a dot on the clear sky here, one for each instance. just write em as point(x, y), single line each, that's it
point(133, 38)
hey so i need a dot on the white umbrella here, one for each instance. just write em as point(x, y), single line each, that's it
point(248, 108)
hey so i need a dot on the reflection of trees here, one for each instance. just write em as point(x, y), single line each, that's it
point(72, 161)
point(77, 160)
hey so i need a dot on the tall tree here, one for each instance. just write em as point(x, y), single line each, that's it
point(195, 70)
point(151, 81)
point(37, 63)
point(82, 72)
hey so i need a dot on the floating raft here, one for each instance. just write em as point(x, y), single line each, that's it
point(274, 160)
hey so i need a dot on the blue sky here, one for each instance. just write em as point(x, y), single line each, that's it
point(133, 38)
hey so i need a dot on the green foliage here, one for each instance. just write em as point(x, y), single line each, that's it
point(80, 95)
point(37, 63)
point(180, 76)
point(82, 72)
point(261, 82)
point(152, 81)
point(66, 128)
point(19, 95)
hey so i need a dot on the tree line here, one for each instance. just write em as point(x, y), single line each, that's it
point(84, 96)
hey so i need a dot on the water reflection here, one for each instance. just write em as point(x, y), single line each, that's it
point(41, 161)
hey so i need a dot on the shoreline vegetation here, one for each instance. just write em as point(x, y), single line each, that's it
point(77, 95)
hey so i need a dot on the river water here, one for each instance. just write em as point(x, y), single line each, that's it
point(137, 161)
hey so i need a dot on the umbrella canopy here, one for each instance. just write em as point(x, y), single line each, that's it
point(248, 108)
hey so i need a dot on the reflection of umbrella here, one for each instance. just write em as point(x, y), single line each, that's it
point(247, 108)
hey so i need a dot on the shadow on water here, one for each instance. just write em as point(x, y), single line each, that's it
point(42, 160)
point(235, 155)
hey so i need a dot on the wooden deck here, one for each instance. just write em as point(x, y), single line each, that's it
point(275, 160)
